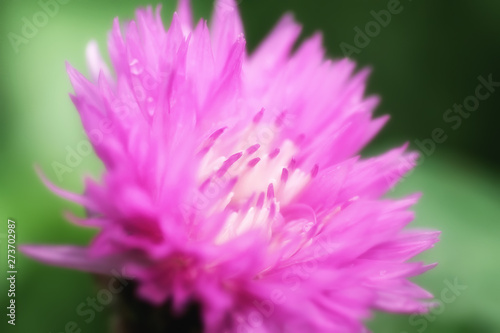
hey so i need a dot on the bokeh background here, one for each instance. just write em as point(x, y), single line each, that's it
point(428, 58)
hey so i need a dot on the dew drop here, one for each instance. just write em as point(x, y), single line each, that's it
point(150, 106)
point(136, 67)
point(308, 226)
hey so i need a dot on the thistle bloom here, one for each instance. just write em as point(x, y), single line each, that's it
point(232, 179)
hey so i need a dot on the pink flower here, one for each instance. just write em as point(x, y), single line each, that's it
point(232, 179)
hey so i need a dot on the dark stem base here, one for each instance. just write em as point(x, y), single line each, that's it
point(131, 315)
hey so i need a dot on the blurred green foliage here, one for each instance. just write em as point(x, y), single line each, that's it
point(424, 61)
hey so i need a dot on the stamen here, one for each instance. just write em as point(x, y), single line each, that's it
point(272, 210)
point(252, 149)
point(227, 164)
point(254, 162)
point(280, 120)
point(216, 134)
point(260, 201)
point(270, 191)
point(274, 153)
point(284, 175)
point(258, 116)
point(314, 170)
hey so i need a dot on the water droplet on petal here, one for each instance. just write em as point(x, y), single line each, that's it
point(150, 106)
point(308, 226)
point(136, 67)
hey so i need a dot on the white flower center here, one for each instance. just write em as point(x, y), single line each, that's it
point(254, 182)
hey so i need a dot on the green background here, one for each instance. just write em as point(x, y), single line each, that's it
point(424, 61)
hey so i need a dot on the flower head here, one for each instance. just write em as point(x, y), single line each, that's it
point(232, 179)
